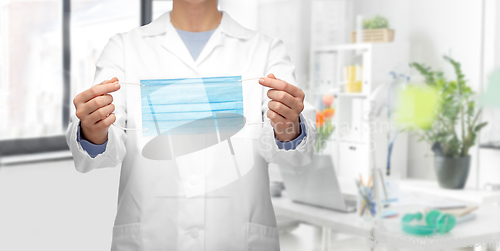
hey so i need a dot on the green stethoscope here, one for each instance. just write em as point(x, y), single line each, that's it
point(437, 222)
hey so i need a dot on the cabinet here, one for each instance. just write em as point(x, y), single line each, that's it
point(362, 135)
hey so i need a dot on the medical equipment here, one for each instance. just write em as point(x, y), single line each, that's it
point(241, 80)
point(171, 105)
point(436, 222)
point(143, 85)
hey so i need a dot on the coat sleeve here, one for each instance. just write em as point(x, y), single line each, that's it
point(110, 64)
point(279, 64)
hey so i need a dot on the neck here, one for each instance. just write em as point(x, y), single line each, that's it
point(195, 17)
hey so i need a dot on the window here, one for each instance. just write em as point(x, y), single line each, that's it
point(92, 25)
point(31, 83)
point(35, 41)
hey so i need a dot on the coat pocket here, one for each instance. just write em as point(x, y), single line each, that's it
point(261, 238)
point(127, 238)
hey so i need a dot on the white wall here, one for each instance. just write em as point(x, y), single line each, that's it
point(497, 36)
point(243, 11)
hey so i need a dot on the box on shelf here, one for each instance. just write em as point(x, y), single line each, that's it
point(375, 36)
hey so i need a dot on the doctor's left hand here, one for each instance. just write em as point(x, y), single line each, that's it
point(287, 102)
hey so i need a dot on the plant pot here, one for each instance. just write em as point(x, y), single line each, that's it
point(452, 173)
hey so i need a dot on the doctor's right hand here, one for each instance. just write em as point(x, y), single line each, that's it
point(95, 110)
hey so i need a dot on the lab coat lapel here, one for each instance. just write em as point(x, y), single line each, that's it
point(227, 27)
point(173, 43)
point(214, 41)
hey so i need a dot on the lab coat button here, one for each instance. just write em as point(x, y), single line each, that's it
point(194, 233)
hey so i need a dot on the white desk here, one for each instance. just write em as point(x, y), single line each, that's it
point(486, 225)
point(348, 223)
point(432, 188)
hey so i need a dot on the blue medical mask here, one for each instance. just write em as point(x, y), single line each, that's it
point(192, 105)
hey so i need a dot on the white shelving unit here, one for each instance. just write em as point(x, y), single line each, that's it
point(356, 135)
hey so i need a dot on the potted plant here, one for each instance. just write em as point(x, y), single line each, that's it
point(324, 123)
point(324, 128)
point(375, 30)
point(454, 129)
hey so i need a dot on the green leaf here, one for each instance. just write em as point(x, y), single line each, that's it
point(480, 126)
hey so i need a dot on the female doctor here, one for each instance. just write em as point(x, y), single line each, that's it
point(193, 203)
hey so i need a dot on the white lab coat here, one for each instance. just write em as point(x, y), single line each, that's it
point(183, 205)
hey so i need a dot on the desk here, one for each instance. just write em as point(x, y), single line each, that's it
point(431, 188)
point(486, 225)
point(470, 195)
point(348, 223)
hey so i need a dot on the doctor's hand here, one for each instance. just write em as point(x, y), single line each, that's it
point(94, 108)
point(287, 102)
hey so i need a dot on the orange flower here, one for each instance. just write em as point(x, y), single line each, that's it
point(329, 112)
point(320, 119)
point(328, 100)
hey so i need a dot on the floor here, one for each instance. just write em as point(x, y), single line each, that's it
point(50, 206)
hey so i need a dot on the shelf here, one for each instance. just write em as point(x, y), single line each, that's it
point(350, 95)
point(343, 47)
point(351, 47)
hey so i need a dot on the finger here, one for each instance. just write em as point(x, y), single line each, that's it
point(281, 85)
point(82, 98)
point(106, 122)
point(101, 113)
point(97, 103)
point(282, 110)
point(282, 97)
point(99, 90)
point(270, 75)
point(113, 80)
point(275, 117)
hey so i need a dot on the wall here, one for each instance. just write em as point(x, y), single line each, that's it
point(243, 11)
point(497, 36)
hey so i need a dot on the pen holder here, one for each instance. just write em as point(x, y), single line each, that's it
point(366, 205)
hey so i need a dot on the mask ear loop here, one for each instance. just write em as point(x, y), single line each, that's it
point(257, 123)
point(129, 129)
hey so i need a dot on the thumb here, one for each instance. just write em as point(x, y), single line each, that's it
point(270, 75)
